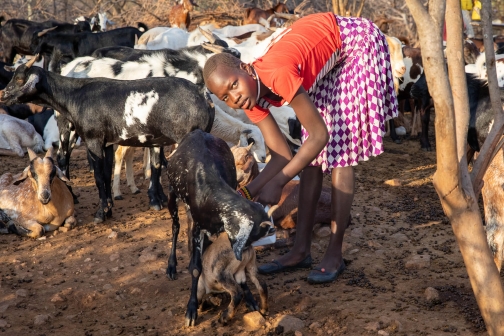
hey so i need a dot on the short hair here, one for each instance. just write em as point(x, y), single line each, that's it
point(222, 59)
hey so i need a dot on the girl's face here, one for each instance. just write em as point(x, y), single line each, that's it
point(236, 87)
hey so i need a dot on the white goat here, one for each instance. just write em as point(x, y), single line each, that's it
point(17, 134)
point(173, 38)
point(481, 68)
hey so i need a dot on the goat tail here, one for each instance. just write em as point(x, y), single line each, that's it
point(211, 110)
point(142, 27)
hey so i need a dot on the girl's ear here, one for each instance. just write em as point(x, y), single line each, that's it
point(248, 69)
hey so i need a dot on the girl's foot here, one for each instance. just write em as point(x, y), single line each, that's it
point(288, 261)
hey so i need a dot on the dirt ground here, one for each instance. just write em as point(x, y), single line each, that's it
point(86, 282)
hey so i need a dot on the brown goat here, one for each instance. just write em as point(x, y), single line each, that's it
point(179, 15)
point(222, 272)
point(246, 165)
point(254, 15)
point(37, 199)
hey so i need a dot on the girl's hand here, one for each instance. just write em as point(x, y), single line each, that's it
point(270, 194)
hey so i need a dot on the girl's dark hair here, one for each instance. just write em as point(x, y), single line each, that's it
point(223, 59)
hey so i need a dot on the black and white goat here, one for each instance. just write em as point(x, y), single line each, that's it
point(143, 113)
point(202, 174)
point(60, 49)
point(98, 22)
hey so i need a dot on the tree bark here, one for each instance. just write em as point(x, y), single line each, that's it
point(452, 183)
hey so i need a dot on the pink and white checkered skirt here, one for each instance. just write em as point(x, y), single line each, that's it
point(356, 97)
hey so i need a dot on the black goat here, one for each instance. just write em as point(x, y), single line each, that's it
point(477, 90)
point(5, 75)
point(16, 35)
point(60, 49)
point(202, 174)
point(143, 113)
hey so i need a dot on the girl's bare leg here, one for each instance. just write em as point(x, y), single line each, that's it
point(343, 182)
point(309, 193)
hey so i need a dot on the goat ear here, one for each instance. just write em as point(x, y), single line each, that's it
point(49, 153)
point(22, 176)
point(9, 68)
point(249, 147)
point(238, 240)
point(62, 176)
point(45, 31)
point(31, 154)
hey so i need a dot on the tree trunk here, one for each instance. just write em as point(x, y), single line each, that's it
point(452, 183)
point(485, 157)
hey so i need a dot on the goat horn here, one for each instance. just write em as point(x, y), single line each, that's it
point(287, 16)
point(30, 62)
point(31, 154)
point(272, 209)
point(299, 9)
point(136, 39)
point(45, 31)
point(49, 153)
point(270, 18)
point(215, 48)
point(211, 37)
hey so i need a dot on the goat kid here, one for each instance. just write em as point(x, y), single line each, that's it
point(38, 198)
point(222, 272)
point(258, 15)
point(202, 174)
point(144, 113)
point(180, 16)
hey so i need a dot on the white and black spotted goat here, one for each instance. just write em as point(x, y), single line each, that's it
point(98, 22)
point(143, 113)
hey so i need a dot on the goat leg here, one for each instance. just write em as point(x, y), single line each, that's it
point(108, 164)
point(393, 134)
point(260, 285)
point(425, 119)
point(229, 284)
point(99, 175)
point(155, 192)
point(195, 268)
point(119, 155)
point(250, 302)
point(171, 270)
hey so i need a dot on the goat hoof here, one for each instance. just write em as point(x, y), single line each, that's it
point(171, 273)
point(264, 312)
point(109, 213)
point(398, 141)
point(136, 192)
point(98, 220)
point(252, 307)
point(118, 198)
point(191, 316)
point(156, 207)
point(223, 318)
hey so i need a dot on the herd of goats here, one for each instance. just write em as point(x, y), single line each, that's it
point(138, 87)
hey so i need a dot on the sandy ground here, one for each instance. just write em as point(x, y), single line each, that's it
point(86, 282)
